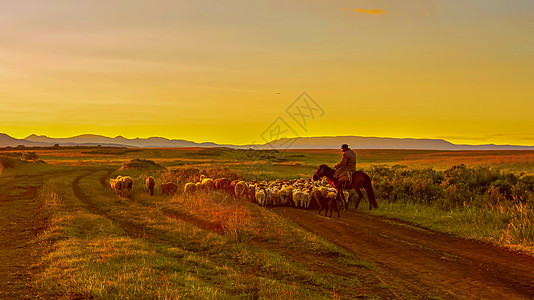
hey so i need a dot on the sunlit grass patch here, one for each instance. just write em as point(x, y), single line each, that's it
point(118, 268)
point(505, 224)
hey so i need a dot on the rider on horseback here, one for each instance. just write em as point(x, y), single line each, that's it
point(346, 166)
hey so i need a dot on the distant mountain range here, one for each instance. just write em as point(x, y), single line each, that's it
point(333, 142)
point(359, 142)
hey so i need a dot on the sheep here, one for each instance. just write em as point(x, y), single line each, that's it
point(150, 182)
point(190, 188)
point(112, 183)
point(232, 185)
point(241, 190)
point(298, 198)
point(121, 184)
point(223, 184)
point(116, 185)
point(325, 202)
point(169, 188)
point(275, 197)
point(268, 197)
point(207, 183)
point(128, 182)
point(332, 202)
point(251, 191)
point(260, 196)
point(286, 195)
point(306, 198)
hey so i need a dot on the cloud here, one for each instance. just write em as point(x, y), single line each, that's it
point(375, 11)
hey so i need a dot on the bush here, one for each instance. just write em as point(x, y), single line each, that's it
point(141, 164)
point(31, 156)
point(6, 162)
point(451, 188)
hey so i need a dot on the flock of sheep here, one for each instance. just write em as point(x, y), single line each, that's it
point(301, 193)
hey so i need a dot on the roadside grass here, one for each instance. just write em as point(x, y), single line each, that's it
point(106, 246)
point(481, 203)
point(504, 224)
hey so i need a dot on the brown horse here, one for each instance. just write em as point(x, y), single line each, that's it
point(359, 180)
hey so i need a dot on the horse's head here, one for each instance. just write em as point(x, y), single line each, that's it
point(319, 173)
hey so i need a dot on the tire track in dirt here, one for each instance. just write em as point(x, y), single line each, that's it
point(131, 229)
point(424, 261)
point(206, 225)
point(21, 221)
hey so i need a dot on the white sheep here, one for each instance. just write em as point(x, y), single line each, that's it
point(260, 196)
point(307, 198)
point(298, 198)
point(241, 190)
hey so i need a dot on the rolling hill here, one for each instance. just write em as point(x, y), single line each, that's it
point(328, 142)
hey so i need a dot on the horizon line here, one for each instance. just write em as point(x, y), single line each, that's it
point(297, 137)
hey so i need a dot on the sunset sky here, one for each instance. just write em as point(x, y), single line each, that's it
point(227, 71)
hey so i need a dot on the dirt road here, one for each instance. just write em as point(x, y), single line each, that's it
point(20, 223)
point(413, 260)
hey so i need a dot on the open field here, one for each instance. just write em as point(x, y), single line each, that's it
point(67, 236)
point(304, 161)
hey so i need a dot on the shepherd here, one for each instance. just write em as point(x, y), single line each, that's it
point(346, 166)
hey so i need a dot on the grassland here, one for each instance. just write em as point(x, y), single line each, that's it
point(94, 243)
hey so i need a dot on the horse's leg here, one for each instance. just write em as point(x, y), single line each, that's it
point(370, 202)
point(360, 196)
point(341, 196)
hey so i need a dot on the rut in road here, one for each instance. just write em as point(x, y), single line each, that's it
point(419, 259)
point(132, 229)
point(22, 220)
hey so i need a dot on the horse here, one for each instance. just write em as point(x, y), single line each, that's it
point(359, 180)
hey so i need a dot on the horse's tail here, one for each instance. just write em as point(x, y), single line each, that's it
point(370, 192)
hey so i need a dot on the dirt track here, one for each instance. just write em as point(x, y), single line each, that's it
point(20, 223)
point(413, 260)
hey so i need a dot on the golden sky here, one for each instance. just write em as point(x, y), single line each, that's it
point(225, 71)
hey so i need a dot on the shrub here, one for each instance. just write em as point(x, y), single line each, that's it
point(30, 156)
point(456, 186)
point(6, 162)
point(141, 164)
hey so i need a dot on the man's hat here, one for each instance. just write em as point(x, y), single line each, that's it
point(344, 146)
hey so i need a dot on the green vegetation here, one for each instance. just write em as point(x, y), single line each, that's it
point(456, 186)
point(479, 202)
point(141, 164)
